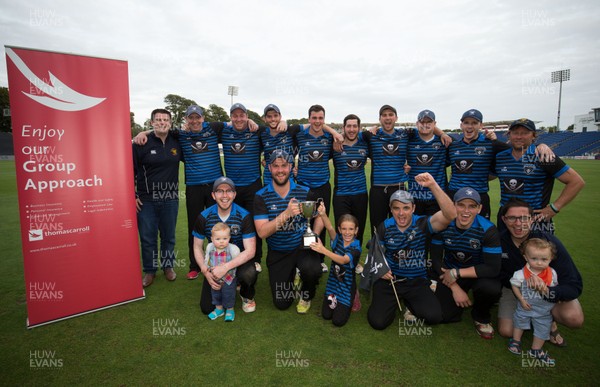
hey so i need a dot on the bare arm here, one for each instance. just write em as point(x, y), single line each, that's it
point(318, 247)
point(441, 219)
point(265, 228)
point(573, 184)
point(199, 256)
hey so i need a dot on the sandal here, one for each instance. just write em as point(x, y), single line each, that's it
point(514, 346)
point(553, 335)
point(229, 315)
point(215, 314)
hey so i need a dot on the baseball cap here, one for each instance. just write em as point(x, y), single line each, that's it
point(194, 109)
point(472, 113)
point(272, 107)
point(237, 106)
point(279, 154)
point(524, 122)
point(467, 193)
point(402, 196)
point(387, 107)
point(223, 180)
point(426, 114)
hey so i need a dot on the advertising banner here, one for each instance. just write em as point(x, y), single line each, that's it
point(72, 142)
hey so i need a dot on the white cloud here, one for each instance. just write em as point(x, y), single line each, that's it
point(350, 56)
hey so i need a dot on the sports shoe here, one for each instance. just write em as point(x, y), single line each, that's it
point(258, 267)
point(324, 267)
point(248, 305)
point(409, 316)
point(486, 331)
point(192, 275)
point(359, 269)
point(356, 305)
point(229, 315)
point(215, 314)
point(303, 306)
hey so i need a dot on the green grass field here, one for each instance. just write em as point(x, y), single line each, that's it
point(119, 346)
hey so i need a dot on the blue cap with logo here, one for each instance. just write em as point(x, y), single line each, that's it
point(223, 180)
point(238, 106)
point(524, 122)
point(194, 109)
point(467, 193)
point(279, 154)
point(426, 114)
point(270, 107)
point(472, 113)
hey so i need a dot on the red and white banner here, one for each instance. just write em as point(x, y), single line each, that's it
point(71, 129)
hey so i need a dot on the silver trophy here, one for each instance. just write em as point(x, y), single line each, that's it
point(308, 209)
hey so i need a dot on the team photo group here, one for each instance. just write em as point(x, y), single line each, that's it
point(442, 250)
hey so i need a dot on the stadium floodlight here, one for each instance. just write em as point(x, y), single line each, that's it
point(560, 76)
point(232, 90)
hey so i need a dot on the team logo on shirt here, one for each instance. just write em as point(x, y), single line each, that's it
point(199, 146)
point(412, 235)
point(174, 151)
point(315, 156)
point(464, 166)
point(475, 244)
point(425, 159)
point(235, 229)
point(339, 272)
point(390, 149)
point(529, 168)
point(513, 186)
point(448, 241)
point(324, 141)
point(238, 148)
point(436, 145)
point(480, 150)
point(353, 165)
point(461, 257)
point(362, 152)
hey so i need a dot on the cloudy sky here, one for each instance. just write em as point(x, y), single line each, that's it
point(350, 56)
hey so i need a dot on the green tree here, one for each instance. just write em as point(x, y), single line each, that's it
point(254, 116)
point(215, 113)
point(177, 106)
point(296, 121)
point(5, 123)
point(135, 128)
point(571, 127)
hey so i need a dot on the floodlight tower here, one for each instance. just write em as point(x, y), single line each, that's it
point(232, 90)
point(560, 76)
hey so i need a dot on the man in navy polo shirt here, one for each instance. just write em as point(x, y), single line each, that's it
point(156, 170)
point(277, 217)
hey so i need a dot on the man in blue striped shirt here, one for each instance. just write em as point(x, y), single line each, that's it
point(404, 237)
point(277, 217)
point(524, 176)
point(466, 256)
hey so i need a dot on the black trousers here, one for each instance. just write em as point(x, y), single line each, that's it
point(340, 315)
point(355, 205)
point(245, 197)
point(417, 296)
point(282, 271)
point(486, 292)
point(246, 276)
point(197, 198)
